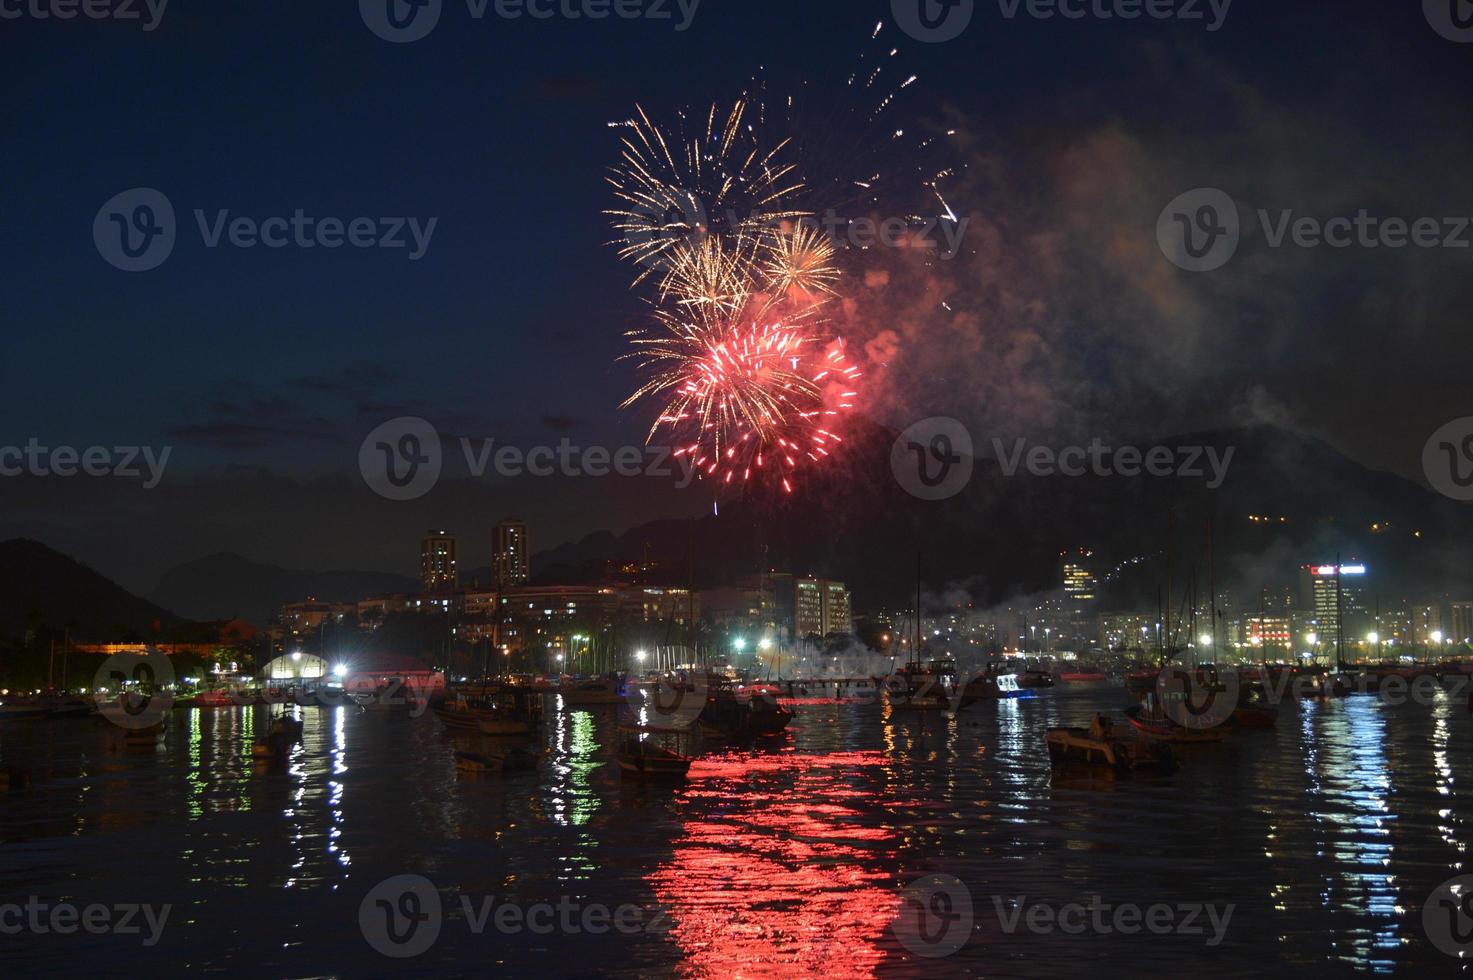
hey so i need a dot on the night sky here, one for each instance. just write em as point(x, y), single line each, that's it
point(265, 369)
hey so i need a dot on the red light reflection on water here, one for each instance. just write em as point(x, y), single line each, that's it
point(789, 883)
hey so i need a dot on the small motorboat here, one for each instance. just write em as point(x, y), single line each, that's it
point(732, 714)
point(1154, 725)
point(289, 726)
point(13, 707)
point(603, 690)
point(1255, 711)
point(273, 747)
point(213, 699)
point(147, 735)
point(1098, 745)
point(508, 759)
point(993, 684)
point(1035, 678)
point(642, 755)
point(918, 687)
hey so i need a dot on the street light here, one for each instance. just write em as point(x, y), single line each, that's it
point(740, 644)
point(1437, 636)
point(640, 655)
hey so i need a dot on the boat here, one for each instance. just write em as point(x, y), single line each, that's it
point(1153, 724)
point(510, 711)
point(1255, 714)
point(272, 746)
point(649, 754)
point(730, 714)
point(1034, 677)
point(13, 707)
point(147, 735)
point(1098, 745)
point(1085, 677)
point(286, 725)
point(213, 699)
point(922, 687)
point(601, 690)
point(994, 683)
point(507, 759)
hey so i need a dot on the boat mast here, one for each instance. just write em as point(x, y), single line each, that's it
point(1212, 586)
point(1339, 619)
point(1166, 650)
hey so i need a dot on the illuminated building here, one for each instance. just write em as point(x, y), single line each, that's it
point(509, 553)
point(813, 606)
point(1268, 633)
point(1128, 631)
point(838, 614)
point(1462, 622)
point(1076, 628)
point(1322, 595)
point(437, 562)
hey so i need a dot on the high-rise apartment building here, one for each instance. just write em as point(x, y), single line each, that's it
point(509, 553)
point(437, 562)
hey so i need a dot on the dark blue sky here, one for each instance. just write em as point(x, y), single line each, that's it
point(280, 361)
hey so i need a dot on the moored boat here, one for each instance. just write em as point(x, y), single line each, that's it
point(1098, 745)
point(601, 690)
point(642, 755)
point(1154, 725)
point(507, 759)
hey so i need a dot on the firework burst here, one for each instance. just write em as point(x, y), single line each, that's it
point(743, 363)
point(748, 379)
